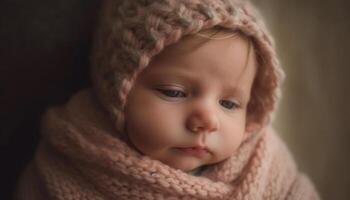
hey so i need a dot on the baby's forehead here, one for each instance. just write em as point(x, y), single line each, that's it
point(194, 53)
point(192, 43)
point(223, 64)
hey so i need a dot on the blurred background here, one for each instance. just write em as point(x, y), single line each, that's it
point(313, 44)
point(44, 49)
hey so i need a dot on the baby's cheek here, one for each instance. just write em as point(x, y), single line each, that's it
point(150, 127)
point(232, 137)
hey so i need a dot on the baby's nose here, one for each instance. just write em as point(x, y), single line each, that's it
point(203, 120)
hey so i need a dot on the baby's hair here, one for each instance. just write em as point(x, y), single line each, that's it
point(216, 33)
point(261, 100)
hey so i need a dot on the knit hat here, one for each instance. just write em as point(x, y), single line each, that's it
point(132, 32)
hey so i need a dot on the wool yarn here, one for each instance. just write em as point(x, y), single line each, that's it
point(79, 158)
point(132, 32)
point(82, 154)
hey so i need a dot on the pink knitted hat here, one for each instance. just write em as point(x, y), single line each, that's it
point(132, 32)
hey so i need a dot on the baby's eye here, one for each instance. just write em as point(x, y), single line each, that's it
point(172, 93)
point(229, 104)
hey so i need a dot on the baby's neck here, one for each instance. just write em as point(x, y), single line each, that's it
point(197, 171)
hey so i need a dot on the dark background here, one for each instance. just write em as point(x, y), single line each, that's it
point(44, 50)
point(44, 58)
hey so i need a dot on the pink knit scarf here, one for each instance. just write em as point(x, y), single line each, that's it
point(80, 157)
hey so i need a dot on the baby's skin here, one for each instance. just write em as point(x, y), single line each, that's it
point(188, 108)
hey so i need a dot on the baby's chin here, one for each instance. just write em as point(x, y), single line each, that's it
point(185, 165)
point(190, 164)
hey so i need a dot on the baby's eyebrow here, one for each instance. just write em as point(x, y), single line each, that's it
point(178, 73)
point(237, 91)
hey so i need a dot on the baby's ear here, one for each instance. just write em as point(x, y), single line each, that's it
point(250, 128)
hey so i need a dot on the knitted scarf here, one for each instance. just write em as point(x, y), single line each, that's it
point(80, 157)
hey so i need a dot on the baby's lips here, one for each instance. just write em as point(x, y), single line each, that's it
point(194, 151)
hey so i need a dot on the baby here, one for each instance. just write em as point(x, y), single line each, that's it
point(188, 108)
point(180, 108)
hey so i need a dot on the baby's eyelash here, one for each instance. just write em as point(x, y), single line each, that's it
point(172, 93)
point(229, 104)
point(177, 93)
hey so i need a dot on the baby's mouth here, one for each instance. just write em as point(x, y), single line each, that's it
point(196, 151)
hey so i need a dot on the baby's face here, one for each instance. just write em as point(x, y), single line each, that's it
point(188, 107)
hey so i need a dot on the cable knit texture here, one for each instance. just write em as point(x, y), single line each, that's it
point(132, 32)
point(82, 154)
point(79, 158)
